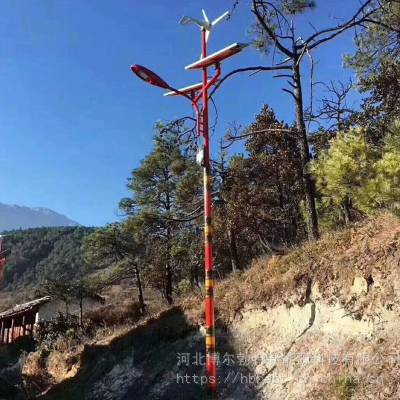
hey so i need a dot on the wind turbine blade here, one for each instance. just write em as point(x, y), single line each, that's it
point(220, 18)
point(208, 33)
point(185, 20)
point(189, 20)
point(200, 23)
point(205, 16)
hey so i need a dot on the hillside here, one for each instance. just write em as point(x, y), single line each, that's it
point(20, 217)
point(38, 253)
point(254, 248)
point(318, 323)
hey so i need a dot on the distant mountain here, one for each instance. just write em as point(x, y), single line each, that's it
point(20, 217)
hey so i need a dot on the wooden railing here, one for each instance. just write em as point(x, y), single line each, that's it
point(14, 327)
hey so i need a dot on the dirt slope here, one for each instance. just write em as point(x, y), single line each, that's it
point(319, 323)
point(323, 322)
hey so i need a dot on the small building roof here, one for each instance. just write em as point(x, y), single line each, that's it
point(23, 308)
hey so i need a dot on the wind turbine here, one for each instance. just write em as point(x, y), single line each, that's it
point(206, 24)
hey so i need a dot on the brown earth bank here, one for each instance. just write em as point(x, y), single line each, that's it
point(318, 323)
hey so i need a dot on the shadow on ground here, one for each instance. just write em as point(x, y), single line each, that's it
point(11, 387)
point(163, 360)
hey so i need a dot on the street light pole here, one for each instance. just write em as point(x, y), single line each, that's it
point(196, 93)
point(211, 364)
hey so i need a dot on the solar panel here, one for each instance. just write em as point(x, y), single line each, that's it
point(218, 56)
point(186, 90)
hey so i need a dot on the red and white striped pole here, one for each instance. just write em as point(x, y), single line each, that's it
point(190, 92)
point(211, 362)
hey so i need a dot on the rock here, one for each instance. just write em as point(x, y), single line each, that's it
point(202, 330)
point(261, 369)
point(360, 286)
point(316, 293)
point(378, 284)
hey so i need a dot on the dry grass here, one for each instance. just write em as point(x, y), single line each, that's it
point(114, 314)
point(367, 249)
point(34, 371)
point(373, 373)
point(45, 368)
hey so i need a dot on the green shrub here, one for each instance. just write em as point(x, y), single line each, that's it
point(184, 287)
point(384, 190)
point(63, 327)
point(345, 387)
point(353, 175)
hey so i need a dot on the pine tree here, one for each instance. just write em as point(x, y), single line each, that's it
point(275, 29)
point(166, 199)
point(343, 172)
point(115, 248)
point(383, 192)
point(353, 174)
point(262, 192)
point(377, 63)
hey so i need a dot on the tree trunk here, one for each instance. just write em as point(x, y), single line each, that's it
point(233, 250)
point(81, 309)
point(168, 285)
point(346, 210)
point(194, 275)
point(309, 189)
point(140, 289)
point(168, 270)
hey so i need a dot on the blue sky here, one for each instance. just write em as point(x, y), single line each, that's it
point(73, 119)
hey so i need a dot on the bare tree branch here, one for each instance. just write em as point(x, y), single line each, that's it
point(283, 76)
point(338, 27)
point(334, 108)
point(269, 31)
point(290, 92)
point(234, 138)
point(259, 68)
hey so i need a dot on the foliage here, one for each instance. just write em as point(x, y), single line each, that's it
point(275, 16)
point(164, 207)
point(69, 291)
point(63, 326)
point(377, 63)
point(275, 169)
point(345, 168)
point(262, 193)
point(42, 253)
point(293, 7)
point(345, 387)
point(109, 316)
point(162, 186)
point(115, 249)
point(111, 246)
point(377, 42)
point(342, 173)
point(354, 172)
point(384, 191)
